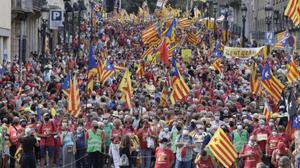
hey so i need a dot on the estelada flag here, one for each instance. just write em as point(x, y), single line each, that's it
point(271, 84)
point(222, 148)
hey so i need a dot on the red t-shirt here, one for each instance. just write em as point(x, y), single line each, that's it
point(164, 157)
point(115, 136)
point(273, 141)
point(262, 134)
point(205, 163)
point(47, 128)
point(252, 161)
point(143, 134)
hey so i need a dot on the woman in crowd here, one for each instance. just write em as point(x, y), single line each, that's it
point(68, 145)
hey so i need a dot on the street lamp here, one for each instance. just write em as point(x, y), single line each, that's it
point(244, 14)
point(74, 11)
point(215, 3)
point(207, 11)
point(276, 19)
point(268, 10)
point(81, 8)
point(45, 17)
point(225, 23)
point(68, 10)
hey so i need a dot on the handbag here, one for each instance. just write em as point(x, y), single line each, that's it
point(70, 149)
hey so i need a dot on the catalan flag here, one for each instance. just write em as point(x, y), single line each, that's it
point(292, 11)
point(66, 85)
point(217, 65)
point(147, 52)
point(293, 73)
point(179, 88)
point(164, 97)
point(193, 38)
point(184, 23)
point(267, 110)
point(171, 50)
point(271, 84)
point(285, 38)
point(151, 33)
point(222, 148)
point(105, 71)
point(140, 70)
point(255, 86)
point(126, 89)
point(74, 99)
point(119, 68)
point(92, 71)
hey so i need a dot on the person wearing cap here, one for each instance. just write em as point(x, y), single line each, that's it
point(251, 153)
point(28, 142)
point(94, 146)
point(281, 151)
point(184, 149)
point(163, 154)
point(46, 131)
point(14, 132)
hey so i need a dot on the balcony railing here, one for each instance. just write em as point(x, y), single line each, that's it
point(235, 3)
point(37, 4)
point(22, 5)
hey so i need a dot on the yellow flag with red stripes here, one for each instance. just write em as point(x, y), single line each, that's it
point(222, 148)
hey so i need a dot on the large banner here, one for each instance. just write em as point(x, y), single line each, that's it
point(241, 53)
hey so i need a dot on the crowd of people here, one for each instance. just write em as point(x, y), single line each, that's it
point(37, 131)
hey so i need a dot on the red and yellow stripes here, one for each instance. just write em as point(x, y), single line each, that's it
point(74, 99)
point(255, 86)
point(274, 87)
point(126, 89)
point(184, 23)
point(293, 73)
point(222, 148)
point(164, 98)
point(217, 66)
point(179, 91)
point(293, 11)
point(140, 70)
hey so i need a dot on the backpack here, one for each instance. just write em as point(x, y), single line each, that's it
point(124, 161)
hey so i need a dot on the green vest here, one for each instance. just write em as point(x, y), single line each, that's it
point(239, 140)
point(94, 141)
point(174, 136)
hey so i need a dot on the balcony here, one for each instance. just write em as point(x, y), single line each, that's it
point(234, 3)
point(22, 6)
point(37, 4)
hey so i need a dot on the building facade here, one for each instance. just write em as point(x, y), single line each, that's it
point(25, 23)
point(5, 30)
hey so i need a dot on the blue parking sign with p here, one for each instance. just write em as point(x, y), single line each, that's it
point(56, 15)
point(56, 18)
